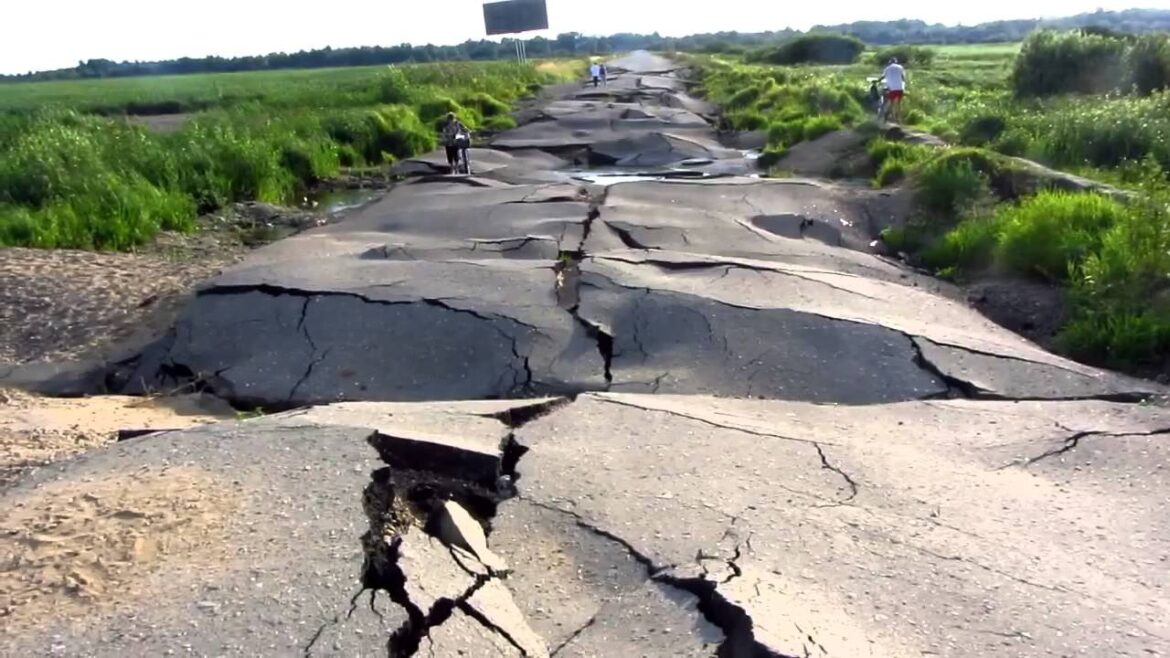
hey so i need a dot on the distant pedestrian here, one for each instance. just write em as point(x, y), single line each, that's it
point(604, 75)
point(895, 77)
point(595, 73)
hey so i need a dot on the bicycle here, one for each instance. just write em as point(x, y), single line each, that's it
point(463, 163)
point(880, 95)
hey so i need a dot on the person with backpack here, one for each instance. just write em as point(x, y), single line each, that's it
point(456, 139)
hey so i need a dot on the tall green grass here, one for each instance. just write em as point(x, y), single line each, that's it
point(792, 105)
point(1113, 256)
point(69, 178)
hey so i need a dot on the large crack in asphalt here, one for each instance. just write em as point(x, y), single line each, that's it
point(735, 622)
point(400, 496)
point(417, 480)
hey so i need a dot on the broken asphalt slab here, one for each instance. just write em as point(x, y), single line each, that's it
point(701, 527)
point(446, 289)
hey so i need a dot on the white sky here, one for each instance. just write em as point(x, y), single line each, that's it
point(45, 34)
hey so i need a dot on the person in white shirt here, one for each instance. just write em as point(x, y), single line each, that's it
point(895, 77)
point(595, 72)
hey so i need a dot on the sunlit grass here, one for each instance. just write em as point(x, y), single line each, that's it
point(69, 178)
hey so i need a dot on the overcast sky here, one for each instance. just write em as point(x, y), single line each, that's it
point(45, 34)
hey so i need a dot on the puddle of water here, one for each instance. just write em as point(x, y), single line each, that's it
point(614, 177)
point(333, 202)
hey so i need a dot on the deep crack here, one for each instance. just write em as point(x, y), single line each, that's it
point(627, 237)
point(604, 341)
point(735, 623)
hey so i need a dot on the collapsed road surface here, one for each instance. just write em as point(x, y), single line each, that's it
point(530, 415)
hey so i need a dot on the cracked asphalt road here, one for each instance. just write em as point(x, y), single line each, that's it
point(752, 441)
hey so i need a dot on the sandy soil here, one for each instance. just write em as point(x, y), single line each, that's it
point(71, 549)
point(65, 304)
point(35, 431)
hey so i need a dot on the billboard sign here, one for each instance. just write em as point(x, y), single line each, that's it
point(515, 16)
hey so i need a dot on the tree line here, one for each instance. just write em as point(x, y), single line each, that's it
point(575, 44)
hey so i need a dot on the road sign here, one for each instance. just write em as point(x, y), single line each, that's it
point(515, 16)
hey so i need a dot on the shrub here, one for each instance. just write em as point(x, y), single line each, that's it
point(394, 86)
point(970, 246)
point(1149, 63)
point(487, 105)
point(434, 111)
point(815, 49)
point(820, 126)
point(907, 55)
point(953, 183)
point(891, 171)
point(982, 129)
point(747, 120)
point(1052, 232)
point(1121, 340)
point(781, 133)
point(1069, 62)
point(745, 97)
point(499, 123)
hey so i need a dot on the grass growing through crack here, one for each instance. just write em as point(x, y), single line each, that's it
point(71, 177)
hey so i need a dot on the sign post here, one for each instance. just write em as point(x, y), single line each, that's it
point(513, 17)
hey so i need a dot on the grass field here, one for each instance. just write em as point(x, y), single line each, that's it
point(72, 177)
point(978, 213)
point(342, 87)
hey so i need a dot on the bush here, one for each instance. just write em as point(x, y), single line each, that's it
point(747, 120)
point(815, 49)
point(982, 129)
point(820, 126)
point(1070, 62)
point(394, 86)
point(891, 171)
point(1053, 232)
point(953, 183)
point(1149, 63)
point(745, 97)
point(1120, 340)
point(970, 246)
point(893, 161)
point(905, 54)
point(487, 105)
point(499, 123)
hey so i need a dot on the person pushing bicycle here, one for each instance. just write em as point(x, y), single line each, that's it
point(895, 79)
point(456, 139)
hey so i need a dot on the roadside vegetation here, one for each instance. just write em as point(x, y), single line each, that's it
point(71, 177)
point(1091, 102)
